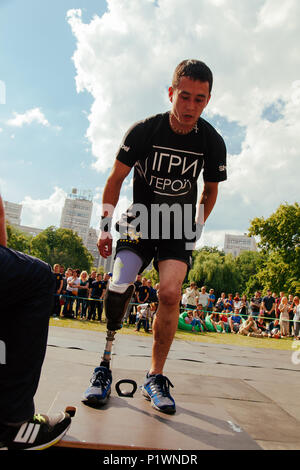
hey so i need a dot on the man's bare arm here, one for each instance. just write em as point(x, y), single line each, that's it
point(208, 199)
point(110, 199)
point(3, 235)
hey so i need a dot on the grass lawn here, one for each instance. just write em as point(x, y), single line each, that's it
point(215, 338)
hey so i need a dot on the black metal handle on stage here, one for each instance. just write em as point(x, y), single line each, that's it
point(125, 393)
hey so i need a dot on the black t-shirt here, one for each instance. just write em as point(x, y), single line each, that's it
point(143, 291)
point(256, 301)
point(268, 301)
point(97, 289)
point(167, 165)
point(58, 279)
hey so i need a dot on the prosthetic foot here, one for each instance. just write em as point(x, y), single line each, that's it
point(116, 302)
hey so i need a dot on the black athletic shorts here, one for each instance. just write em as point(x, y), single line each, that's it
point(156, 250)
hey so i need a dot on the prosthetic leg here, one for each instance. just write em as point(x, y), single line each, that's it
point(115, 306)
point(116, 300)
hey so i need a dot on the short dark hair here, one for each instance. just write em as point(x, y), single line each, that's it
point(194, 69)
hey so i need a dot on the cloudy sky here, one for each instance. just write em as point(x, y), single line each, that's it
point(75, 74)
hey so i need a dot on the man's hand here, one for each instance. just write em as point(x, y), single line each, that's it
point(105, 244)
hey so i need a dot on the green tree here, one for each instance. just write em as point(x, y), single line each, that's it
point(214, 269)
point(60, 245)
point(18, 240)
point(279, 241)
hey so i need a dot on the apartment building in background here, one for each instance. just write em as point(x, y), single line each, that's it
point(13, 212)
point(235, 244)
point(77, 212)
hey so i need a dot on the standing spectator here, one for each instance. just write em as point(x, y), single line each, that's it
point(221, 302)
point(98, 291)
point(152, 292)
point(92, 278)
point(203, 298)
point(143, 292)
point(291, 313)
point(70, 297)
point(284, 316)
point(106, 278)
point(229, 303)
point(296, 318)
point(244, 310)
point(268, 305)
point(74, 284)
point(83, 289)
point(211, 301)
point(255, 304)
point(235, 321)
point(237, 303)
point(58, 289)
point(278, 302)
point(192, 294)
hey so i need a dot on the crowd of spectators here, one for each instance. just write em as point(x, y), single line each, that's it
point(266, 315)
point(80, 295)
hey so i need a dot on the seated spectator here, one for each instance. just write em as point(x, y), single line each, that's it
point(249, 327)
point(235, 321)
point(284, 316)
point(273, 329)
point(296, 318)
point(215, 320)
point(192, 319)
point(224, 317)
point(201, 316)
point(191, 296)
point(220, 305)
point(255, 304)
point(143, 315)
point(261, 324)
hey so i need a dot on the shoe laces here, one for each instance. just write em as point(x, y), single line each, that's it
point(162, 385)
point(39, 418)
point(100, 377)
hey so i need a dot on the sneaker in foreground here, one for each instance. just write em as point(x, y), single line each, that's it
point(99, 391)
point(156, 388)
point(39, 433)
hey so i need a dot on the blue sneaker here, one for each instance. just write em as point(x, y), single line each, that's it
point(100, 388)
point(156, 389)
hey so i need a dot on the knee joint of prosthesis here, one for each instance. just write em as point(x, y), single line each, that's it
point(116, 300)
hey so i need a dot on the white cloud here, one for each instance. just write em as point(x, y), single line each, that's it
point(34, 115)
point(42, 213)
point(126, 57)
